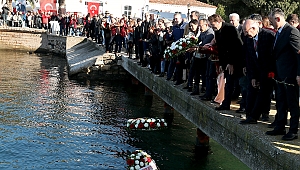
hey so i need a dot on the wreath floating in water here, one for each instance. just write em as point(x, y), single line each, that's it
point(140, 160)
point(146, 124)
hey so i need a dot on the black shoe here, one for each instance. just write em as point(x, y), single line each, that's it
point(178, 83)
point(275, 132)
point(272, 125)
point(213, 102)
point(205, 98)
point(240, 110)
point(222, 108)
point(161, 75)
point(249, 120)
point(290, 136)
point(203, 90)
point(195, 93)
point(265, 117)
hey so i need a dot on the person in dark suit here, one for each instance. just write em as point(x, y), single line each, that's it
point(229, 45)
point(258, 49)
point(287, 55)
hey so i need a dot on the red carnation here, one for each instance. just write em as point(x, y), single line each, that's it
point(178, 62)
point(184, 44)
point(271, 75)
point(174, 51)
point(149, 160)
point(141, 125)
point(142, 159)
point(131, 126)
point(162, 124)
point(130, 162)
point(152, 124)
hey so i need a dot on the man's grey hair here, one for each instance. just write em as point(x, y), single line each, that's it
point(235, 15)
point(277, 11)
point(197, 13)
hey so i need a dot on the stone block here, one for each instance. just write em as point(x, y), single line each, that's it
point(105, 67)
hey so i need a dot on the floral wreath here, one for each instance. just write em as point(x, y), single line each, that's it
point(140, 160)
point(180, 46)
point(146, 124)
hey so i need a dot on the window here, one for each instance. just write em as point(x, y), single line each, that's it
point(127, 10)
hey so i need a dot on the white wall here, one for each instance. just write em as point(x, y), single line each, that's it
point(181, 8)
point(116, 7)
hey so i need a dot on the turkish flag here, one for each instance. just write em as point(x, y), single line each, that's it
point(48, 6)
point(93, 8)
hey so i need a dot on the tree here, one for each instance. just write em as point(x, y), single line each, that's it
point(247, 7)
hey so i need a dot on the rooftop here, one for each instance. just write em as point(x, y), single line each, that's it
point(183, 2)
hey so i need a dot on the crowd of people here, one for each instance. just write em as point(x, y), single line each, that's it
point(257, 58)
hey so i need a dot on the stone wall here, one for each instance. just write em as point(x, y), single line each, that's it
point(35, 40)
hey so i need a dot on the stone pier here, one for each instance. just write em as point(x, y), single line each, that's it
point(247, 142)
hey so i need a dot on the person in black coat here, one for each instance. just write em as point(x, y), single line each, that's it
point(258, 49)
point(229, 45)
point(287, 55)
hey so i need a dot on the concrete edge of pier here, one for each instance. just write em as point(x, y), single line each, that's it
point(247, 142)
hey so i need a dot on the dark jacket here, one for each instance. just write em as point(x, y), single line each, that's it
point(286, 53)
point(229, 46)
point(260, 65)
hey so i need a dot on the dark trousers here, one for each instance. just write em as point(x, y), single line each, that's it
point(171, 67)
point(211, 78)
point(244, 84)
point(118, 46)
point(179, 68)
point(141, 53)
point(260, 97)
point(287, 99)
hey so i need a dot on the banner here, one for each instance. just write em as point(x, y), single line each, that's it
point(93, 8)
point(48, 6)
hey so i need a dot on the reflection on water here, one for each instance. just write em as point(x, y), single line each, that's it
point(50, 122)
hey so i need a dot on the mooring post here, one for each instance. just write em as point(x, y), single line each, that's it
point(202, 143)
point(168, 114)
point(134, 81)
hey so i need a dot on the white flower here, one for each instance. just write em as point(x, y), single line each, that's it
point(136, 125)
point(152, 120)
point(142, 164)
point(131, 168)
point(138, 121)
point(137, 162)
point(139, 154)
point(158, 124)
point(130, 120)
point(142, 120)
point(165, 124)
point(138, 157)
point(180, 48)
point(128, 124)
point(146, 125)
point(148, 120)
point(163, 120)
point(137, 167)
point(176, 46)
point(132, 155)
point(188, 42)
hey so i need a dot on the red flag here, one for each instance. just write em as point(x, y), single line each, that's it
point(93, 8)
point(48, 6)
